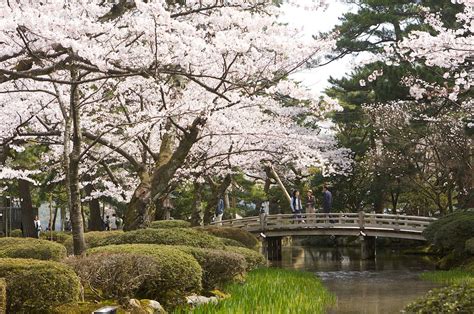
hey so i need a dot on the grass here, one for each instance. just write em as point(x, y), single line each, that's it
point(450, 277)
point(271, 290)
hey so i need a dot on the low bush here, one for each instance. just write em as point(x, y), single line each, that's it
point(239, 235)
point(3, 296)
point(470, 246)
point(166, 224)
point(35, 286)
point(172, 236)
point(175, 273)
point(31, 248)
point(16, 233)
point(452, 299)
point(253, 258)
point(92, 239)
point(451, 232)
point(219, 267)
point(230, 242)
point(57, 236)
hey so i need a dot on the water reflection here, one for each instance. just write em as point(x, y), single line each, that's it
point(384, 285)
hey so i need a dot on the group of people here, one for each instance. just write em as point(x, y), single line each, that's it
point(113, 223)
point(297, 205)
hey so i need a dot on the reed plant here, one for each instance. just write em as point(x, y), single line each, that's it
point(270, 290)
point(450, 277)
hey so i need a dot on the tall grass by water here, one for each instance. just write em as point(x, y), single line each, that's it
point(274, 291)
point(449, 277)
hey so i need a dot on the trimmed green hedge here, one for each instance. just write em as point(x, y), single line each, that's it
point(166, 224)
point(92, 239)
point(239, 235)
point(451, 232)
point(16, 233)
point(172, 236)
point(452, 299)
point(230, 242)
point(176, 274)
point(31, 248)
point(470, 246)
point(3, 295)
point(58, 236)
point(219, 267)
point(253, 258)
point(35, 286)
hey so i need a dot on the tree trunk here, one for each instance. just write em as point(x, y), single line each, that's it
point(217, 190)
point(273, 174)
point(53, 226)
point(27, 211)
point(197, 209)
point(72, 175)
point(139, 211)
point(95, 219)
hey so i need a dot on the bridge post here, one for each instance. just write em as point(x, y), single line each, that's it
point(263, 221)
point(273, 245)
point(367, 248)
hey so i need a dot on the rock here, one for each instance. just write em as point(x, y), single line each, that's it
point(152, 306)
point(135, 304)
point(196, 300)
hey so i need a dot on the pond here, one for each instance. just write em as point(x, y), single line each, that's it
point(384, 285)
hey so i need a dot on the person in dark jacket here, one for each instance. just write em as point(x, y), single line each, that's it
point(327, 200)
point(296, 206)
point(219, 211)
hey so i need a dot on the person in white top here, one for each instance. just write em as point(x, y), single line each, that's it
point(296, 206)
point(37, 226)
point(113, 222)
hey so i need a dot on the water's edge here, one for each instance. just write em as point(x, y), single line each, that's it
point(384, 285)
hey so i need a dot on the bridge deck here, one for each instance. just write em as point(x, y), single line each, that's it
point(349, 224)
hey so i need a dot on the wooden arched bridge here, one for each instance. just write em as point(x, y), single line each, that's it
point(344, 224)
point(367, 226)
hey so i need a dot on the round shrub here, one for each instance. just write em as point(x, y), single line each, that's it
point(31, 248)
point(58, 236)
point(35, 286)
point(3, 295)
point(16, 233)
point(166, 224)
point(470, 246)
point(218, 266)
point(176, 274)
point(452, 299)
point(173, 236)
point(240, 235)
point(92, 239)
point(230, 242)
point(253, 258)
point(451, 232)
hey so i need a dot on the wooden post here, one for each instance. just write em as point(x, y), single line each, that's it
point(274, 248)
point(361, 220)
point(367, 247)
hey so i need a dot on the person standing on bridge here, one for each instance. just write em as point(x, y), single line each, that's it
point(296, 206)
point(310, 201)
point(327, 200)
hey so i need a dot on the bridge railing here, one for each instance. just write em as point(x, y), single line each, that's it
point(359, 220)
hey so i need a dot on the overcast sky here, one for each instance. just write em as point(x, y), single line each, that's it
point(312, 23)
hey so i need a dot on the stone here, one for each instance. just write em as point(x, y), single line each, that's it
point(196, 300)
point(153, 307)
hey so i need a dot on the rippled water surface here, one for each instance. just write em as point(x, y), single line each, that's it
point(384, 285)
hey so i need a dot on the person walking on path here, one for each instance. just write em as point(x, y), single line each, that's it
point(296, 206)
point(310, 201)
point(37, 223)
point(219, 211)
point(113, 222)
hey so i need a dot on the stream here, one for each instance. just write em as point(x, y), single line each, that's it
point(384, 285)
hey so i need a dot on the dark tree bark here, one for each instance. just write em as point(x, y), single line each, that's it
point(95, 219)
point(197, 200)
point(72, 174)
point(28, 213)
point(217, 190)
